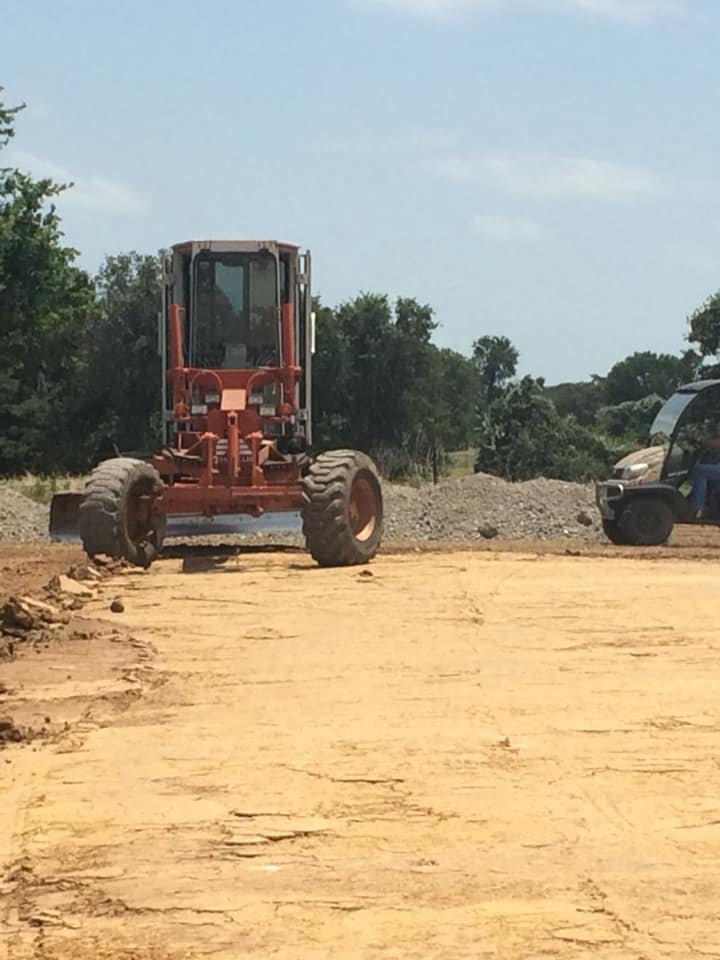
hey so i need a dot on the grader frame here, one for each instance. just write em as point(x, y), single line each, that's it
point(236, 342)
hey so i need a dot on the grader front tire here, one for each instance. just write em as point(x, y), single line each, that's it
point(342, 509)
point(117, 516)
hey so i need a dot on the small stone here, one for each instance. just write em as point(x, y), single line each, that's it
point(9, 733)
point(488, 531)
point(584, 518)
point(117, 606)
point(63, 584)
point(83, 571)
point(45, 611)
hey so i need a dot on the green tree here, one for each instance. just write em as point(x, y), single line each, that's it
point(646, 373)
point(704, 326)
point(457, 392)
point(496, 360)
point(526, 437)
point(45, 303)
point(124, 382)
point(380, 384)
point(581, 399)
point(366, 325)
point(332, 403)
point(629, 421)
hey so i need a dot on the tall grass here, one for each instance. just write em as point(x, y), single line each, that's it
point(40, 488)
point(461, 463)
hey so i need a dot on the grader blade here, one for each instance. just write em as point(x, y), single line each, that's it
point(64, 510)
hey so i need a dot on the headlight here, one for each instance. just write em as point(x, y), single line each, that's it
point(636, 471)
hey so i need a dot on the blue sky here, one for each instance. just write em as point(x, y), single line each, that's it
point(545, 169)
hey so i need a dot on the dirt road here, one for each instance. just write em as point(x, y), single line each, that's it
point(440, 756)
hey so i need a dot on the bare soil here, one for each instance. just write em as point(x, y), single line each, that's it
point(27, 567)
point(448, 754)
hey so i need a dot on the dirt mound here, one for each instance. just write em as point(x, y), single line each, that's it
point(21, 518)
point(481, 507)
point(463, 510)
point(30, 618)
point(43, 617)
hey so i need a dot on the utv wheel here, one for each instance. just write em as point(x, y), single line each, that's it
point(612, 531)
point(646, 522)
point(118, 514)
point(342, 509)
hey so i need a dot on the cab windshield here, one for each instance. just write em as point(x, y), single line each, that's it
point(666, 420)
point(235, 312)
point(693, 419)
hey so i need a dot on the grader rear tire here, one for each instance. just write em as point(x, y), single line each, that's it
point(342, 509)
point(111, 518)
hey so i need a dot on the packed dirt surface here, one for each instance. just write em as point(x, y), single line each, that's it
point(443, 755)
point(28, 567)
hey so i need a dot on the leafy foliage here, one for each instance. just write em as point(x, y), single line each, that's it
point(496, 361)
point(522, 435)
point(124, 398)
point(381, 385)
point(645, 374)
point(630, 420)
point(582, 399)
point(704, 326)
point(45, 302)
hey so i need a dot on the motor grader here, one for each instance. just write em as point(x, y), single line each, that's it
point(236, 340)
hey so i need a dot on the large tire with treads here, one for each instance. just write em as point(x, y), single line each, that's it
point(342, 509)
point(118, 516)
point(646, 521)
point(612, 531)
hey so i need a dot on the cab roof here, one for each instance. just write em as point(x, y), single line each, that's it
point(234, 244)
point(698, 386)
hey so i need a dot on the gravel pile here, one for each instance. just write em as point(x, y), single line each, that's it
point(464, 510)
point(483, 507)
point(21, 518)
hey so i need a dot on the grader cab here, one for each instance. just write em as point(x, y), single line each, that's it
point(236, 342)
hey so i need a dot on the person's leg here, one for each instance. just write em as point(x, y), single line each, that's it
point(699, 479)
point(712, 471)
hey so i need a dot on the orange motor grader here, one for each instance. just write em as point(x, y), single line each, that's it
point(236, 340)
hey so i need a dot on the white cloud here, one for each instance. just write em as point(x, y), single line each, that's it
point(96, 193)
point(435, 9)
point(631, 11)
point(543, 176)
point(507, 228)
